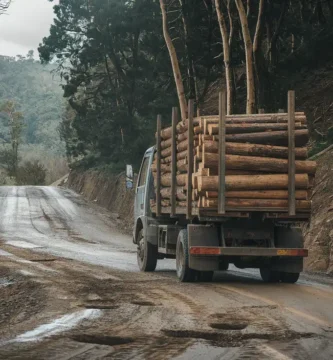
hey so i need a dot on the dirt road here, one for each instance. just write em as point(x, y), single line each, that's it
point(70, 289)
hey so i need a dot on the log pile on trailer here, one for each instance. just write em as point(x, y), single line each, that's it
point(254, 162)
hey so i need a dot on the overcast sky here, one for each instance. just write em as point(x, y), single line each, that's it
point(24, 26)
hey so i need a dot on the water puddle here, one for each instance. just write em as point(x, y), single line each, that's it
point(199, 350)
point(22, 244)
point(62, 324)
point(5, 282)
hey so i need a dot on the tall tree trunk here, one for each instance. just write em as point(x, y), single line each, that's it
point(226, 56)
point(250, 101)
point(174, 63)
point(190, 63)
point(259, 62)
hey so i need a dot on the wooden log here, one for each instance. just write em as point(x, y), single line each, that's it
point(166, 179)
point(255, 163)
point(252, 182)
point(182, 137)
point(166, 152)
point(166, 143)
point(198, 130)
point(260, 203)
point(252, 118)
point(255, 150)
point(183, 145)
point(180, 156)
point(213, 129)
point(166, 167)
point(214, 171)
point(246, 118)
point(203, 138)
point(180, 193)
point(260, 194)
point(270, 137)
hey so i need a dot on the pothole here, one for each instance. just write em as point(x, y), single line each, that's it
point(205, 335)
point(228, 326)
point(143, 303)
point(101, 306)
point(102, 339)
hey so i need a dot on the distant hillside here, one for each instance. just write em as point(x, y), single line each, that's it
point(38, 93)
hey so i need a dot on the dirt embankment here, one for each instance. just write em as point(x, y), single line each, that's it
point(319, 233)
point(108, 191)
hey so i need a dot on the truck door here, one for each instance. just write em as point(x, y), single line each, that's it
point(140, 194)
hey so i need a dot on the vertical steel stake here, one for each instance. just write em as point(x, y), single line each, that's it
point(174, 161)
point(190, 158)
point(222, 149)
point(158, 160)
point(291, 153)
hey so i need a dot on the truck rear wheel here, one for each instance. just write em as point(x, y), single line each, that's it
point(269, 275)
point(290, 278)
point(146, 254)
point(184, 273)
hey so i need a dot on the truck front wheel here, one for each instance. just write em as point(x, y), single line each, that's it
point(184, 273)
point(146, 254)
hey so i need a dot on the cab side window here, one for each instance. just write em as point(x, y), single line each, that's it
point(143, 173)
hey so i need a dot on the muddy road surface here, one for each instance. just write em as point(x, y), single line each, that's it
point(70, 289)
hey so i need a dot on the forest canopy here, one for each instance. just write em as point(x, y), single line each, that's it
point(123, 62)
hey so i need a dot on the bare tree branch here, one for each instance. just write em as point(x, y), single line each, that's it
point(4, 5)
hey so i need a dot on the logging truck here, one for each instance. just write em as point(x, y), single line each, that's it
point(226, 189)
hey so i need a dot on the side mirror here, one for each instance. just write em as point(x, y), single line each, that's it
point(129, 177)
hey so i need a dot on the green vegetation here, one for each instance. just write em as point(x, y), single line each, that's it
point(123, 62)
point(31, 109)
point(38, 91)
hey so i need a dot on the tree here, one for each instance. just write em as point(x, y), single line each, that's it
point(227, 37)
point(175, 64)
point(14, 122)
point(30, 55)
point(4, 5)
point(250, 85)
point(112, 58)
point(31, 173)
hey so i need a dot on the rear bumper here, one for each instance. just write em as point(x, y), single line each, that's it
point(246, 251)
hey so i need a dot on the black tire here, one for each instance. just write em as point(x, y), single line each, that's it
point(293, 239)
point(269, 275)
point(146, 254)
point(289, 278)
point(184, 273)
point(224, 266)
point(205, 276)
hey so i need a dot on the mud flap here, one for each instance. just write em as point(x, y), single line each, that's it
point(202, 235)
point(292, 265)
point(288, 238)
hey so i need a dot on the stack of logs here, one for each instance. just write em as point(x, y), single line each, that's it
point(256, 163)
